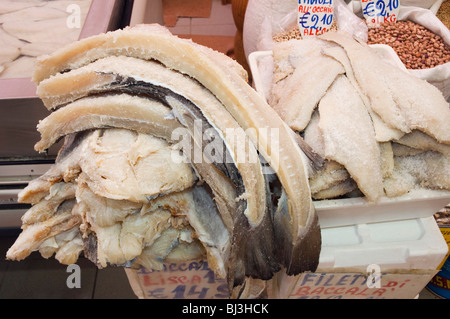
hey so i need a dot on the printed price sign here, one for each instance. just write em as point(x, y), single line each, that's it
point(314, 16)
point(380, 11)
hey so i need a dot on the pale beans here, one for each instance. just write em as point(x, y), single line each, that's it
point(416, 46)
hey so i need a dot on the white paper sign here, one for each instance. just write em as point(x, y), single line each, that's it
point(380, 11)
point(314, 16)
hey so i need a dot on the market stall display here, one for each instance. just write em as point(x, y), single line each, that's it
point(173, 166)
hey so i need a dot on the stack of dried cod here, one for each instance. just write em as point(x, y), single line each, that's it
point(382, 131)
point(169, 155)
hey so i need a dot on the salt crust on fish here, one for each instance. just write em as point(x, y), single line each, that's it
point(351, 142)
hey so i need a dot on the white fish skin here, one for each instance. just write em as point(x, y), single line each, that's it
point(351, 143)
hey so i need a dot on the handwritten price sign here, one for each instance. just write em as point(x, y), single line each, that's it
point(380, 11)
point(314, 16)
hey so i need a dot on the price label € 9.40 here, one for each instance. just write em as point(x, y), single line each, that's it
point(314, 16)
point(380, 11)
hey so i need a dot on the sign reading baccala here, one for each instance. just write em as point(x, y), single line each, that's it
point(314, 16)
point(380, 11)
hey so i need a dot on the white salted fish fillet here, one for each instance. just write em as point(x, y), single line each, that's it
point(349, 137)
point(427, 169)
point(148, 167)
point(105, 211)
point(423, 142)
point(46, 208)
point(33, 235)
point(422, 104)
point(365, 66)
point(383, 132)
point(66, 246)
point(66, 169)
point(304, 88)
point(166, 246)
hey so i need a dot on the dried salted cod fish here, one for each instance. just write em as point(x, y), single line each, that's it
point(296, 222)
point(421, 141)
point(365, 68)
point(8, 54)
point(148, 167)
point(402, 100)
point(304, 89)
point(66, 168)
point(383, 132)
point(46, 208)
point(122, 111)
point(246, 158)
point(349, 137)
point(299, 94)
point(32, 236)
point(170, 247)
point(19, 68)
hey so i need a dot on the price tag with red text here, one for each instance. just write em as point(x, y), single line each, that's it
point(380, 11)
point(314, 16)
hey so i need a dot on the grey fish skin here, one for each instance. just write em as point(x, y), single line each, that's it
point(252, 248)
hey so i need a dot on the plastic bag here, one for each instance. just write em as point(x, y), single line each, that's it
point(439, 76)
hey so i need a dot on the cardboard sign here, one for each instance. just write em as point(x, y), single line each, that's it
point(380, 11)
point(314, 16)
point(189, 280)
point(356, 286)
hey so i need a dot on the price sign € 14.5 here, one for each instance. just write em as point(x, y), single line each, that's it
point(314, 16)
point(380, 11)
